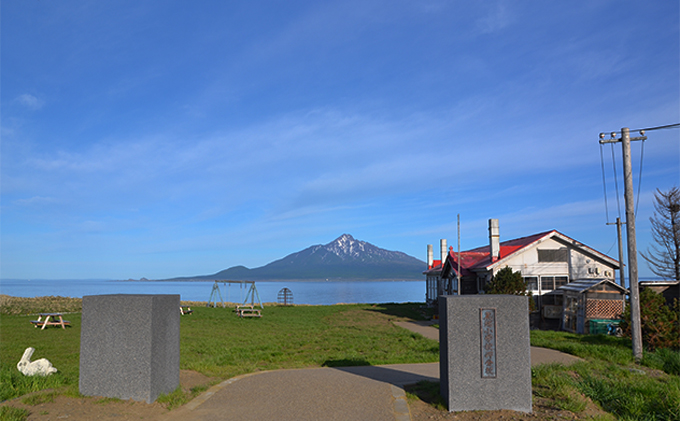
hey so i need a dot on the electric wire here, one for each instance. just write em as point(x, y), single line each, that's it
point(649, 129)
point(611, 247)
point(642, 155)
point(616, 181)
point(668, 126)
point(604, 185)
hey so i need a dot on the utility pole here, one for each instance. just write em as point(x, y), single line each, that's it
point(622, 276)
point(630, 232)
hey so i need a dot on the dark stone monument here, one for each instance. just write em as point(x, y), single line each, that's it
point(129, 346)
point(484, 352)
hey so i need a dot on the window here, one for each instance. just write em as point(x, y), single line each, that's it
point(553, 255)
point(561, 280)
point(572, 304)
point(547, 283)
point(532, 283)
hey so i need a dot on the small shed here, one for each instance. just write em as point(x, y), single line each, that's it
point(591, 299)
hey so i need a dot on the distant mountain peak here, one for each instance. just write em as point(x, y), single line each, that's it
point(346, 247)
point(345, 238)
point(343, 258)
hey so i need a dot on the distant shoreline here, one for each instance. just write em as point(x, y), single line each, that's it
point(248, 280)
point(274, 280)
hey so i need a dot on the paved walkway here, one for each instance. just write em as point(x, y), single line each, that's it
point(538, 355)
point(351, 393)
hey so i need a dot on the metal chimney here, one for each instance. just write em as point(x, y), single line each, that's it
point(443, 250)
point(430, 256)
point(494, 240)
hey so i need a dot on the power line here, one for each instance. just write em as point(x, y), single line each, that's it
point(616, 181)
point(642, 132)
point(630, 228)
point(630, 224)
point(642, 155)
point(668, 126)
point(604, 184)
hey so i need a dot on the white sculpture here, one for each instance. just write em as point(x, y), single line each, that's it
point(41, 367)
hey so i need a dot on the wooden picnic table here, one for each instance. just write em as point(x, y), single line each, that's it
point(248, 311)
point(50, 319)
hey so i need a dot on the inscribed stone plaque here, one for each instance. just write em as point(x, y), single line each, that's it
point(487, 327)
point(129, 346)
point(485, 360)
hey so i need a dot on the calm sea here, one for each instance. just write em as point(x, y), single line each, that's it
point(324, 293)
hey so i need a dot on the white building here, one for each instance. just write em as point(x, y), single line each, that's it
point(546, 261)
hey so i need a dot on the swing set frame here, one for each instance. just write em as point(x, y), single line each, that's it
point(251, 293)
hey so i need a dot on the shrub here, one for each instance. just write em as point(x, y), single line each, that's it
point(505, 281)
point(660, 323)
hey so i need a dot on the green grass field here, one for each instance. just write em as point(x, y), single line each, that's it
point(217, 343)
point(609, 377)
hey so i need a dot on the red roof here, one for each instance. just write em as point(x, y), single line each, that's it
point(435, 263)
point(468, 260)
point(435, 268)
point(511, 246)
point(480, 257)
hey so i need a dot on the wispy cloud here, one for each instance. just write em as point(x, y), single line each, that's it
point(320, 158)
point(286, 125)
point(35, 201)
point(30, 101)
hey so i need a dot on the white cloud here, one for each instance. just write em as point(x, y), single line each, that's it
point(30, 101)
point(35, 201)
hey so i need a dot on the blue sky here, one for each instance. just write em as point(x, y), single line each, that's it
point(169, 138)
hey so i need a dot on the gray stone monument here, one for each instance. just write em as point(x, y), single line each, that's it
point(129, 346)
point(484, 352)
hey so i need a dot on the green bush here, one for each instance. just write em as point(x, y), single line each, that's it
point(660, 323)
point(505, 281)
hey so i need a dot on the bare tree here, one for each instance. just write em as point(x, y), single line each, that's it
point(663, 257)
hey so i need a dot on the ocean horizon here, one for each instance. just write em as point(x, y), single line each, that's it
point(304, 292)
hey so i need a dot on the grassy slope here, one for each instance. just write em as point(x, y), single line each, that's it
point(217, 343)
point(61, 347)
point(609, 377)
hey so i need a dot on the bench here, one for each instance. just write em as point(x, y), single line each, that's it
point(185, 310)
point(247, 311)
point(238, 309)
point(50, 319)
point(37, 323)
